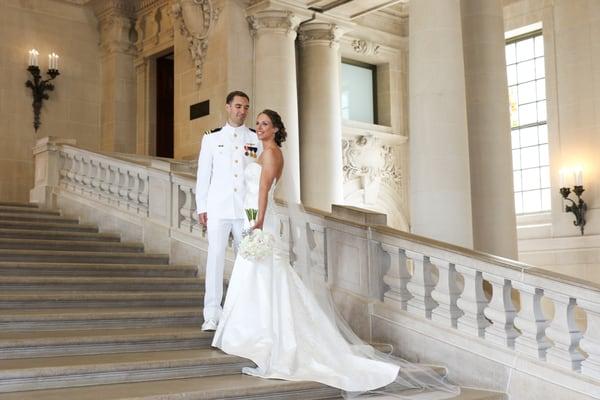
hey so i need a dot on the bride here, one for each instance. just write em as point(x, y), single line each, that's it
point(274, 317)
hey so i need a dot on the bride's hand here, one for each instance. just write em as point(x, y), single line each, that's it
point(258, 225)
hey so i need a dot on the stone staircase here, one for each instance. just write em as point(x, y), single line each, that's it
point(84, 315)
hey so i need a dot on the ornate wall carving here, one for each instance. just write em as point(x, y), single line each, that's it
point(196, 18)
point(362, 46)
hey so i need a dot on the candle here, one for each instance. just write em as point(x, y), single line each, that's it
point(50, 59)
point(33, 58)
point(56, 61)
point(578, 175)
point(562, 174)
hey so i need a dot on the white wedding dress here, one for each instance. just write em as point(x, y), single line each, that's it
point(271, 318)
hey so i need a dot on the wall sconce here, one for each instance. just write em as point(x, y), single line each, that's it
point(38, 86)
point(577, 208)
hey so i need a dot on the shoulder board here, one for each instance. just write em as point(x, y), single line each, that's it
point(212, 131)
point(253, 130)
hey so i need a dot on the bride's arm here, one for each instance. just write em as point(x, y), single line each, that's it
point(271, 168)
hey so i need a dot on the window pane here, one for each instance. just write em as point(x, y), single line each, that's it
point(541, 111)
point(357, 93)
point(514, 136)
point(540, 71)
point(525, 49)
point(545, 177)
point(530, 157)
point(530, 178)
point(544, 156)
point(541, 89)
point(517, 181)
point(526, 71)
point(511, 54)
point(543, 133)
point(528, 114)
point(532, 201)
point(527, 92)
point(516, 159)
point(519, 203)
point(546, 199)
point(529, 136)
point(539, 46)
point(511, 74)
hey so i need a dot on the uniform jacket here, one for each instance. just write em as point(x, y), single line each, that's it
point(224, 154)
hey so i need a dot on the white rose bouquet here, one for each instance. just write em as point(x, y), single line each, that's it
point(256, 245)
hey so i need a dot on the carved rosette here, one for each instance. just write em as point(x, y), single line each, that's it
point(320, 33)
point(278, 21)
point(361, 46)
point(196, 18)
point(366, 158)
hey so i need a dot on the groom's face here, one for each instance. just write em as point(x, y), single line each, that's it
point(237, 110)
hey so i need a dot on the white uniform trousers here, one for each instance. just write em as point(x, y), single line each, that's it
point(218, 237)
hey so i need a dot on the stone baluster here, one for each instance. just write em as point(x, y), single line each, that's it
point(86, 174)
point(95, 176)
point(143, 196)
point(317, 253)
point(104, 180)
point(501, 312)
point(531, 322)
point(65, 169)
point(590, 343)
point(446, 293)
point(421, 285)
point(396, 278)
point(113, 181)
point(564, 333)
point(77, 170)
point(187, 211)
point(125, 183)
point(472, 302)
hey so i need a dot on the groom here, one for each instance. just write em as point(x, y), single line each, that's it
point(220, 193)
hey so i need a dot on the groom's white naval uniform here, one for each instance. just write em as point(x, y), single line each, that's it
point(220, 191)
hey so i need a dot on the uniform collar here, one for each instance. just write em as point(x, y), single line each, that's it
point(233, 128)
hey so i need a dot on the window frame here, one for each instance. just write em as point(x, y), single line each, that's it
point(373, 69)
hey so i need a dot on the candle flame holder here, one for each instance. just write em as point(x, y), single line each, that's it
point(578, 208)
point(39, 88)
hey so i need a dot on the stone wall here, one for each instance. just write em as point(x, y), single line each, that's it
point(573, 98)
point(73, 109)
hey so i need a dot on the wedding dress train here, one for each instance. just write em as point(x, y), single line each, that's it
point(271, 318)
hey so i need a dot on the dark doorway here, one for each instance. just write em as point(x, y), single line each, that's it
point(164, 106)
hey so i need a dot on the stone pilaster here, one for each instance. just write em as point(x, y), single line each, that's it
point(439, 150)
point(320, 118)
point(274, 33)
point(117, 44)
point(494, 221)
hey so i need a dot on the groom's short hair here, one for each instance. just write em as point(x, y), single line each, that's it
point(232, 95)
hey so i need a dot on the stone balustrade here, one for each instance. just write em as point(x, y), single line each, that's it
point(449, 290)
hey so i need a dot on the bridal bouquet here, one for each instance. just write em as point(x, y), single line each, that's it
point(256, 245)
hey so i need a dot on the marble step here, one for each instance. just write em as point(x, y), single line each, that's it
point(97, 318)
point(36, 217)
point(58, 235)
point(222, 387)
point(82, 256)
point(89, 299)
point(48, 226)
point(26, 206)
point(30, 344)
point(101, 369)
point(12, 268)
point(30, 210)
point(98, 284)
point(70, 245)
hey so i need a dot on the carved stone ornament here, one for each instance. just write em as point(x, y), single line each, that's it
point(366, 158)
point(320, 32)
point(196, 19)
point(278, 20)
point(362, 46)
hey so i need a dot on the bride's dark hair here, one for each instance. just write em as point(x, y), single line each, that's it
point(275, 118)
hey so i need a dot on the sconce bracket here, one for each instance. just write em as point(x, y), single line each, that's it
point(578, 208)
point(39, 88)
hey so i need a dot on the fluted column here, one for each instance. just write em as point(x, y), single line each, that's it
point(274, 33)
point(320, 118)
point(494, 227)
point(118, 117)
point(439, 151)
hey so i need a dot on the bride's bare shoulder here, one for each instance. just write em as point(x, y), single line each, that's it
point(272, 155)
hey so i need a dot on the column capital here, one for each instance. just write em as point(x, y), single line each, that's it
point(320, 33)
point(273, 21)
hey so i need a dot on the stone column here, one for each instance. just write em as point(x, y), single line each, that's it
point(274, 34)
point(492, 200)
point(118, 106)
point(320, 118)
point(440, 192)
